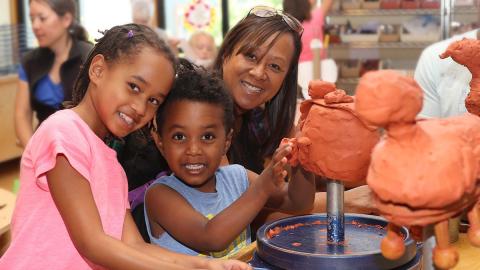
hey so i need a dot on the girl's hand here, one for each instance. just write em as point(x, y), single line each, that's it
point(273, 176)
point(220, 264)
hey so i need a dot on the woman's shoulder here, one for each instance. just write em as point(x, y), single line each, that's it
point(82, 48)
point(84, 45)
point(34, 55)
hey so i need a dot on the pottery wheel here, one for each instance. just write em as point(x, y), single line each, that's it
point(300, 243)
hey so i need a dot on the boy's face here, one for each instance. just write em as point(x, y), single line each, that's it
point(193, 141)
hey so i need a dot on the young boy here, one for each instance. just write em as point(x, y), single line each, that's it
point(203, 208)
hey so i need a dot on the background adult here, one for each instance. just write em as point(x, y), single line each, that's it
point(444, 82)
point(47, 73)
point(312, 16)
point(142, 13)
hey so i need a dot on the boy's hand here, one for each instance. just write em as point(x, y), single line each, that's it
point(220, 264)
point(273, 176)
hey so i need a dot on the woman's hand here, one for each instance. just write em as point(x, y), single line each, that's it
point(356, 200)
point(360, 200)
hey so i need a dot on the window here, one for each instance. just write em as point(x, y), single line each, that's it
point(101, 15)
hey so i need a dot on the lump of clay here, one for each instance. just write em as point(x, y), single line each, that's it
point(467, 53)
point(333, 142)
point(422, 172)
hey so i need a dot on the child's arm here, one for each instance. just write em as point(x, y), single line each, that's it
point(168, 210)
point(73, 197)
point(132, 236)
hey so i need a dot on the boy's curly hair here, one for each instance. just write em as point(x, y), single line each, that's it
point(194, 83)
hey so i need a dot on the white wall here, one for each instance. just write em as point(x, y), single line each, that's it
point(103, 14)
point(4, 12)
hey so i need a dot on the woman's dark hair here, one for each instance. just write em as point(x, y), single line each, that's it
point(300, 9)
point(120, 42)
point(194, 83)
point(62, 7)
point(276, 120)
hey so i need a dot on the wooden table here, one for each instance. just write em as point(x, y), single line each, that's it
point(469, 255)
point(7, 203)
point(8, 90)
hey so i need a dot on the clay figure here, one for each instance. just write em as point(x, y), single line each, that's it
point(422, 172)
point(332, 142)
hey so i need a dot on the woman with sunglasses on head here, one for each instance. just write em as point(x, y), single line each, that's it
point(258, 60)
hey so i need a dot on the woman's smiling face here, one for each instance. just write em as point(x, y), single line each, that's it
point(254, 78)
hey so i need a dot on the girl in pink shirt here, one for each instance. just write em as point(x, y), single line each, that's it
point(72, 209)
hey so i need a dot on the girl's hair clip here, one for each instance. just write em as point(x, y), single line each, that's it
point(130, 34)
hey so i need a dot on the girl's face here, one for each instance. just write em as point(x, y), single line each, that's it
point(128, 92)
point(255, 78)
point(48, 27)
point(193, 141)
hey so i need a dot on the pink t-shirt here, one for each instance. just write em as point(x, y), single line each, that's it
point(39, 237)
point(311, 29)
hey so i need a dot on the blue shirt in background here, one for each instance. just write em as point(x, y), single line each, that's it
point(46, 91)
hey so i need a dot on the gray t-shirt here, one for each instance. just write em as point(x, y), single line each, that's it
point(232, 182)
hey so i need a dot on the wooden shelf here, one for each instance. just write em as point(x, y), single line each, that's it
point(377, 50)
point(8, 88)
point(384, 12)
point(399, 55)
point(380, 45)
point(462, 10)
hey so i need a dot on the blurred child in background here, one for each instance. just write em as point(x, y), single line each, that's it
point(200, 49)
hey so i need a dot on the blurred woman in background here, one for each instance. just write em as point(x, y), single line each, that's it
point(47, 73)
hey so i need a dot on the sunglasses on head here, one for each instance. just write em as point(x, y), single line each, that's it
point(265, 12)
